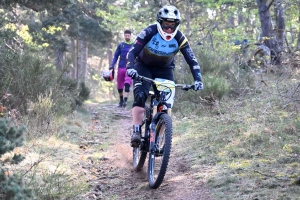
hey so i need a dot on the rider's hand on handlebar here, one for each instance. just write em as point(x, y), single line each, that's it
point(198, 85)
point(132, 73)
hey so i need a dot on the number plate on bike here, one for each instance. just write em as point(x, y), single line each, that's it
point(164, 84)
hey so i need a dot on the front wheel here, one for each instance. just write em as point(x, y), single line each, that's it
point(160, 154)
point(140, 153)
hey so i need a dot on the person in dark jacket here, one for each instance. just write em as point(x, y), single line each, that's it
point(152, 55)
point(123, 80)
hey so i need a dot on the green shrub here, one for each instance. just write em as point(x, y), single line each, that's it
point(211, 62)
point(28, 76)
point(83, 94)
point(215, 86)
point(241, 80)
point(64, 96)
point(25, 76)
point(238, 77)
point(58, 185)
point(215, 83)
point(10, 137)
point(12, 188)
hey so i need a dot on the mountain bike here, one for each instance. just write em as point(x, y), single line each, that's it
point(157, 126)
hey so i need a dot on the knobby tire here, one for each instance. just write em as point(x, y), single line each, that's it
point(158, 162)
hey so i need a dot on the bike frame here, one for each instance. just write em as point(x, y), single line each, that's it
point(157, 102)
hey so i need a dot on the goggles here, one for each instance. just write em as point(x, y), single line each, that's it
point(166, 27)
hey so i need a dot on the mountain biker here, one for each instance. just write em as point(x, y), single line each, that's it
point(123, 80)
point(152, 55)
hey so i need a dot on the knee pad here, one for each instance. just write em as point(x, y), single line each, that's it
point(127, 87)
point(139, 99)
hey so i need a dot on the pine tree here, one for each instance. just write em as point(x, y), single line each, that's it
point(10, 137)
point(11, 186)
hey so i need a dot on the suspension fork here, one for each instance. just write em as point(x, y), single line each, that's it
point(152, 145)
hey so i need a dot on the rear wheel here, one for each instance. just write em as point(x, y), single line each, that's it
point(140, 153)
point(159, 159)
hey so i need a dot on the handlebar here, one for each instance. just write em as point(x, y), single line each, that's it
point(143, 78)
point(185, 86)
point(182, 86)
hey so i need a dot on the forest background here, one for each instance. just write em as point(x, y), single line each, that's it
point(52, 54)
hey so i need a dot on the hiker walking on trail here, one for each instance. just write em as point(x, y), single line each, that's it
point(123, 80)
point(152, 55)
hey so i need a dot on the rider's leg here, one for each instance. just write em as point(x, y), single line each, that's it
point(137, 115)
point(127, 83)
point(120, 91)
point(120, 84)
point(140, 93)
point(126, 93)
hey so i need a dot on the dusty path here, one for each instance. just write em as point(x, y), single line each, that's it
point(114, 175)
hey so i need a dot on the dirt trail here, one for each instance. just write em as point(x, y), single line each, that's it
point(116, 179)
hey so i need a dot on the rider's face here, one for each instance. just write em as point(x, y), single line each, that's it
point(127, 36)
point(168, 27)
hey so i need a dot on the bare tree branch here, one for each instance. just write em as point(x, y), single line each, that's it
point(269, 4)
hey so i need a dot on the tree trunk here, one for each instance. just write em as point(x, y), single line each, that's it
point(267, 29)
point(74, 53)
point(250, 28)
point(83, 61)
point(187, 17)
point(298, 40)
point(31, 17)
point(240, 19)
point(187, 32)
point(231, 21)
point(109, 54)
point(280, 23)
point(59, 59)
point(78, 60)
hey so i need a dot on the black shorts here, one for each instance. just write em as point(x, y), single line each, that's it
point(165, 73)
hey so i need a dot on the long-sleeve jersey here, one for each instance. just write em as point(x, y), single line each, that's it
point(121, 52)
point(155, 52)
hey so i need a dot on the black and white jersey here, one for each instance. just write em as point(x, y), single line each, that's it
point(155, 52)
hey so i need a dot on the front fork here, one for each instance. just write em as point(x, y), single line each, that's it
point(156, 112)
point(153, 145)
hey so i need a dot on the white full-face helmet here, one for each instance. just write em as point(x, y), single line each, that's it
point(171, 14)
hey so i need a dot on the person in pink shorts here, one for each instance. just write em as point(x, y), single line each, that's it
point(123, 80)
